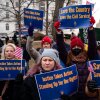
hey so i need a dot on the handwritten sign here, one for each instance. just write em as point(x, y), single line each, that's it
point(51, 84)
point(75, 16)
point(10, 68)
point(95, 69)
point(33, 17)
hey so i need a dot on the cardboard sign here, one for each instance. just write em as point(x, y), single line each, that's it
point(51, 84)
point(75, 16)
point(33, 17)
point(10, 68)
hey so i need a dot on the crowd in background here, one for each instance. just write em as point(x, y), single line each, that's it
point(52, 55)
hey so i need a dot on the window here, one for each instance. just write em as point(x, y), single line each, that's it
point(7, 26)
point(7, 14)
point(7, 4)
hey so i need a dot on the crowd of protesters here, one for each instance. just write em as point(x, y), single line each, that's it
point(49, 58)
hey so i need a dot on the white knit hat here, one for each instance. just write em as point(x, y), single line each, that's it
point(52, 54)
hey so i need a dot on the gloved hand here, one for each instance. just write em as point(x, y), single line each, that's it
point(92, 21)
point(30, 30)
point(57, 25)
point(91, 85)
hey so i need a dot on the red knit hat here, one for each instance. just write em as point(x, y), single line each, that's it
point(75, 41)
point(46, 39)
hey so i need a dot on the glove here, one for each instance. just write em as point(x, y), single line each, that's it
point(91, 85)
point(92, 21)
point(57, 25)
point(30, 30)
point(65, 97)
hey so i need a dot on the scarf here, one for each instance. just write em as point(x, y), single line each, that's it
point(82, 57)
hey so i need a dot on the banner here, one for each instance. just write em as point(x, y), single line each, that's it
point(10, 68)
point(33, 17)
point(51, 84)
point(75, 16)
point(94, 68)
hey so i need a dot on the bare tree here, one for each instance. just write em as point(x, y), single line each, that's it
point(16, 12)
point(58, 4)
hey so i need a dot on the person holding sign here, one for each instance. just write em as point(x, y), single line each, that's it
point(45, 43)
point(8, 52)
point(77, 55)
point(6, 87)
point(28, 91)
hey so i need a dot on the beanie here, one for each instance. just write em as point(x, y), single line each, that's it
point(46, 39)
point(75, 41)
point(52, 54)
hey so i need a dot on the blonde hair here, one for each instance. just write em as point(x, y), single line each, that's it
point(4, 47)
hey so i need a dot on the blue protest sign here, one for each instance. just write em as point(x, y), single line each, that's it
point(10, 68)
point(51, 84)
point(77, 16)
point(33, 17)
point(94, 67)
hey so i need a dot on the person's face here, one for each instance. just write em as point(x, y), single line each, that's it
point(46, 45)
point(9, 52)
point(76, 50)
point(47, 63)
point(23, 41)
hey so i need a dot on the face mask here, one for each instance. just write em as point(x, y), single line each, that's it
point(76, 51)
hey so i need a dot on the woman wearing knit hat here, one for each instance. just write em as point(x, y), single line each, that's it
point(77, 55)
point(49, 61)
point(45, 43)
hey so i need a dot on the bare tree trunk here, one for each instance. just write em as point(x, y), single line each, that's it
point(47, 6)
point(58, 4)
point(19, 24)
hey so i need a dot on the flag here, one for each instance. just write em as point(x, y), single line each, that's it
point(18, 53)
point(90, 68)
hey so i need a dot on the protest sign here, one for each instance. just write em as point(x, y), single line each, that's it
point(77, 16)
point(10, 68)
point(51, 84)
point(94, 68)
point(33, 17)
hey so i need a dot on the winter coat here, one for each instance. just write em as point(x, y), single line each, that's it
point(68, 58)
point(27, 89)
point(9, 90)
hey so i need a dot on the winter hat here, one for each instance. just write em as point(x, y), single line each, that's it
point(52, 54)
point(75, 41)
point(46, 39)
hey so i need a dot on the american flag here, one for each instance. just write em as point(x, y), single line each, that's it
point(90, 68)
point(18, 53)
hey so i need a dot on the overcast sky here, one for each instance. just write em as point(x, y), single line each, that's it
point(96, 11)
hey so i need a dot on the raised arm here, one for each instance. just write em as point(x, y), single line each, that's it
point(92, 41)
point(60, 43)
point(29, 47)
